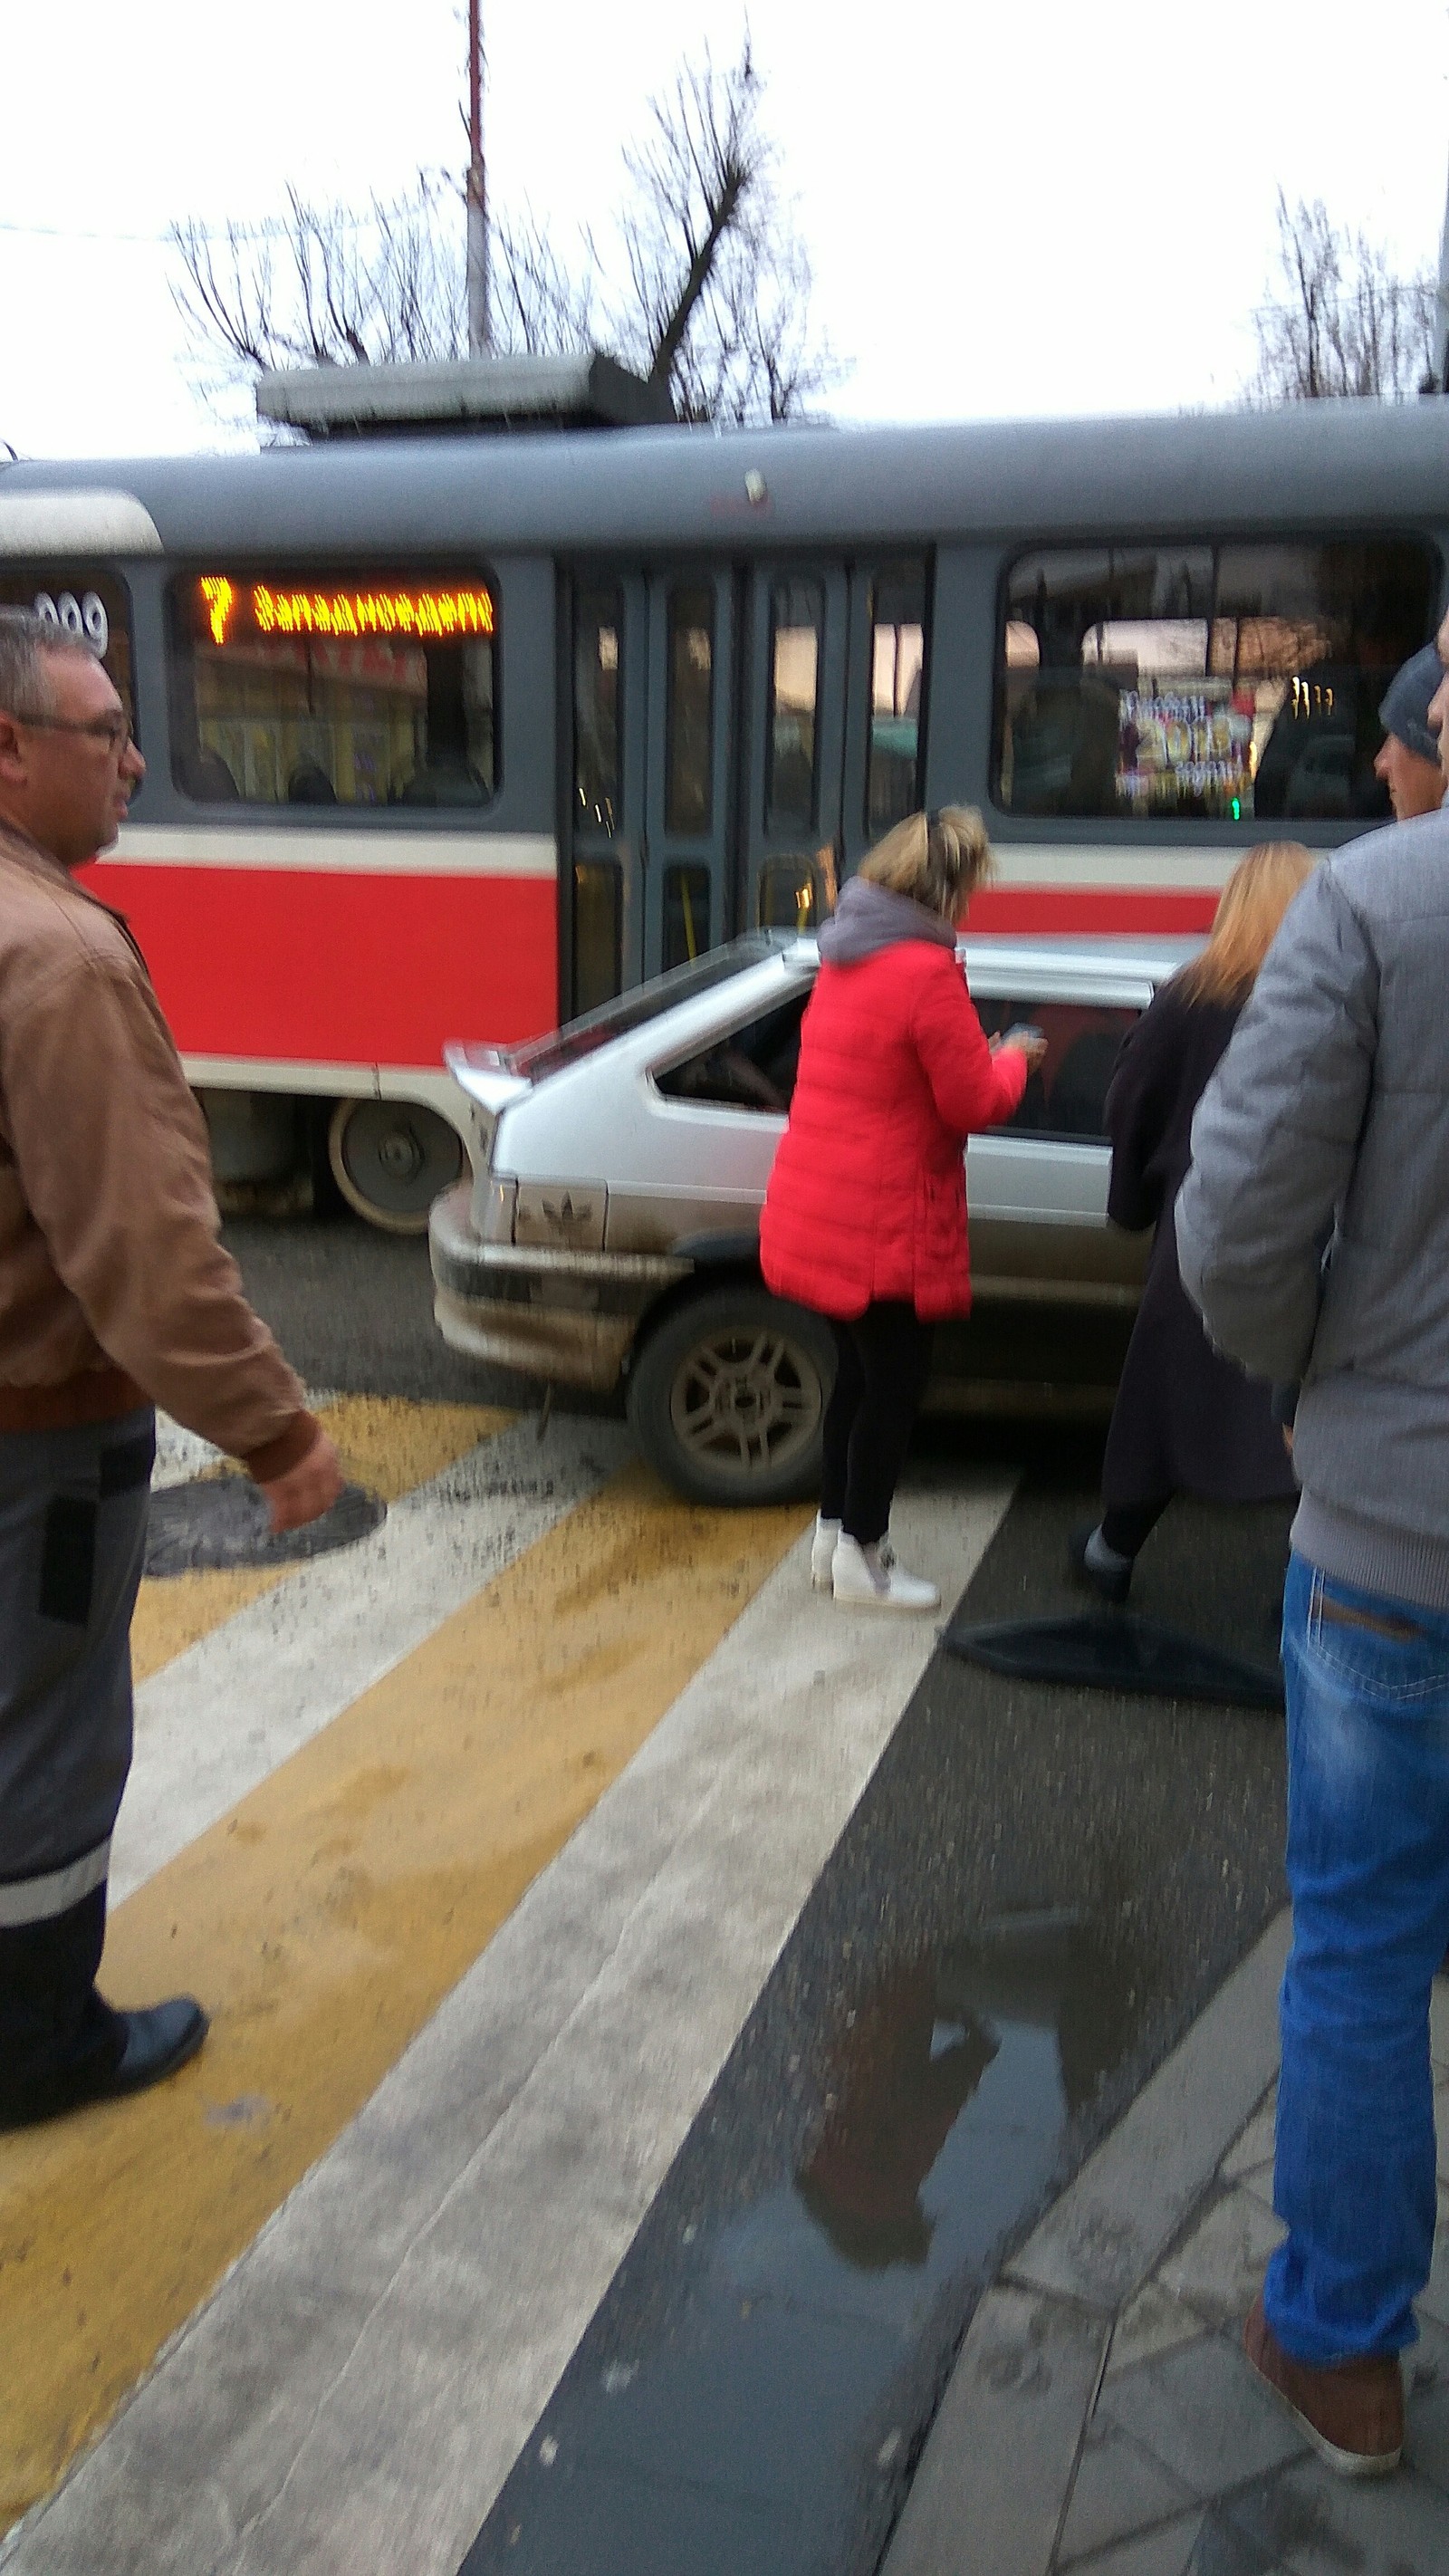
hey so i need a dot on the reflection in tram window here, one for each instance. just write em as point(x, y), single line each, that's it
point(79, 599)
point(898, 652)
point(686, 916)
point(1229, 683)
point(689, 723)
point(598, 627)
point(598, 933)
point(797, 616)
point(336, 689)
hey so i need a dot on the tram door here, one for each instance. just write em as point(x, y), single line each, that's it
point(740, 738)
point(797, 658)
point(650, 823)
point(834, 659)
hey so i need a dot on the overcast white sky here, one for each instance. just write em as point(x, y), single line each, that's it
point(1017, 209)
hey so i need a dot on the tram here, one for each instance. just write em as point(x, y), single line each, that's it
point(456, 736)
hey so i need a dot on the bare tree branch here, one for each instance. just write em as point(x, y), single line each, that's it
point(541, 308)
point(712, 297)
point(1342, 321)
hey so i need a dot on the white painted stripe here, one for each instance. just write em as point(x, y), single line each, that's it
point(39, 1900)
point(76, 522)
point(386, 2346)
point(222, 1716)
point(1145, 871)
point(181, 1455)
point(427, 1083)
point(370, 850)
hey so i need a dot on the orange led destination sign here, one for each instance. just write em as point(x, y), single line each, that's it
point(424, 616)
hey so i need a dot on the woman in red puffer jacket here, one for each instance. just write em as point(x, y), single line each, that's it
point(865, 1216)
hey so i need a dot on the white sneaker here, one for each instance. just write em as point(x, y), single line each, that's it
point(822, 1552)
point(869, 1578)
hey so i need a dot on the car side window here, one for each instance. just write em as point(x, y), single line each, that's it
point(749, 1068)
point(1066, 1096)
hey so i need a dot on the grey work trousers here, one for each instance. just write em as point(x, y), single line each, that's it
point(73, 1507)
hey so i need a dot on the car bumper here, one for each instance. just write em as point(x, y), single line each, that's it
point(567, 1316)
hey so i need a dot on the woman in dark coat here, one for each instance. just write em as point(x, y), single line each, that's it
point(1185, 1421)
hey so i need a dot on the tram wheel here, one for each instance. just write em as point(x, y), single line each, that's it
point(390, 1159)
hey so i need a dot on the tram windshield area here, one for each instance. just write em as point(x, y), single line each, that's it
point(371, 689)
point(1230, 682)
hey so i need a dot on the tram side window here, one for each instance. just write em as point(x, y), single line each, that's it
point(334, 689)
point(897, 678)
point(79, 599)
point(598, 649)
point(1219, 682)
point(689, 720)
point(797, 620)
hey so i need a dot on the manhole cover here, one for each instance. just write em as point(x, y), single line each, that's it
point(222, 1520)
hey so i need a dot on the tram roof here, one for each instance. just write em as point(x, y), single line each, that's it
point(1361, 464)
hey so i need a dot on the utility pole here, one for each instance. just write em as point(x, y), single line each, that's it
point(479, 337)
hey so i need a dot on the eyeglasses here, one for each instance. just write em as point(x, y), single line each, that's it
point(114, 731)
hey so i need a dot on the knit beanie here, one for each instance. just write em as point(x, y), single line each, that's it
point(1405, 709)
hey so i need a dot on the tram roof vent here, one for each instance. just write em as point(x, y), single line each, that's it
point(589, 391)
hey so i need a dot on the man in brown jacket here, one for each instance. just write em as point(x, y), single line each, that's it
point(115, 1296)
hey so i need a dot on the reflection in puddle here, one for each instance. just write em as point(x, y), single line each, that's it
point(953, 2087)
point(757, 2414)
point(904, 2074)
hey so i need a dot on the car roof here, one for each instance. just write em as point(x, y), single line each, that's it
point(770, 967)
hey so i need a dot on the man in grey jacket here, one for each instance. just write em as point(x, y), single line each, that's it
point(1313, 1232)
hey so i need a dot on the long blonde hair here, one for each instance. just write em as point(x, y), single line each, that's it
point(1245, 925)
point(938, 859)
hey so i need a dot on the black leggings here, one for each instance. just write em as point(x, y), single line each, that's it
point(1127, 1527)
point(882, 1363)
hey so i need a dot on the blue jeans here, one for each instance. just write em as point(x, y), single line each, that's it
point(1368, 1867)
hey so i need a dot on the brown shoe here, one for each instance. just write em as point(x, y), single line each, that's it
point(1351, 2411)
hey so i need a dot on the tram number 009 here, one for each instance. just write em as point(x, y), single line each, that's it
point(84, 616)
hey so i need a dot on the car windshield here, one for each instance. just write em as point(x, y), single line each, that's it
point(538, 1057)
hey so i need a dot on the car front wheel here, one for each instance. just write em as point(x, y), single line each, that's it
point(728, 1394)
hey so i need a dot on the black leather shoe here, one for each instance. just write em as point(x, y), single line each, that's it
point(1107, 1583)
point(158, 2039)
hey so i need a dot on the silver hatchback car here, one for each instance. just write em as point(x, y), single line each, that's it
point(612, 1226)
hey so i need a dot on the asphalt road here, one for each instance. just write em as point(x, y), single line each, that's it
point(1139, 1840)
point(353, 1310)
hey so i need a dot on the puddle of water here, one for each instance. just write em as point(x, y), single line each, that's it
point(224, 1521)
point(774, 2376)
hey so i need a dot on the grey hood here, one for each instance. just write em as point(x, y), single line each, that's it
point(869, 918)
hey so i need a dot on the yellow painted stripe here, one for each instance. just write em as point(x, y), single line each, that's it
point(387, 1444)
point(170, 1616)
point(324, 1920)
point(392, 1446)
